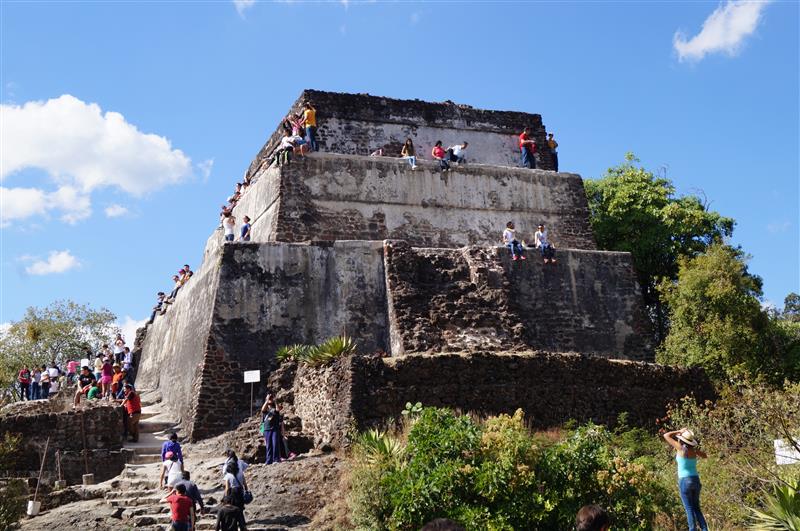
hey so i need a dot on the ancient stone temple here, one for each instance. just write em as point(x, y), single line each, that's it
point(409, 264)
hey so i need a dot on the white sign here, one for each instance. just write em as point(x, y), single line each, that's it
point(785, 453)
point(252, 376)
point(85, 362)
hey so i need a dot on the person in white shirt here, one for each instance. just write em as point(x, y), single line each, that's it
point(229, 226)
point(119, 346)
point(510, 241)
point(457, 153)
point(283, 155)
point(542, 242)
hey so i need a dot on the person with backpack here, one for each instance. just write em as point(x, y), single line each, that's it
point(171, 471)
point(230, 517)
point(272, 430)
point(235, 483)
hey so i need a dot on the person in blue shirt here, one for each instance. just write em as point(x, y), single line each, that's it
point(687, 452)
point(172, 445)
point(245, 236)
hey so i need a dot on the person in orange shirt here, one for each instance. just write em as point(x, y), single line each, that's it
point(116, 380)
point(310, 121)
point(133, 405)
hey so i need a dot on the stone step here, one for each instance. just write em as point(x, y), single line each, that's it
point(142, 458)
point(134, 501)
point(156, 426)
point(129, 493)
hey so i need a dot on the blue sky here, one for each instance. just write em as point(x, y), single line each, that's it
point(100, 212)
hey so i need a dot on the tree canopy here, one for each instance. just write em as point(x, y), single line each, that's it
point(717, 321)
point(633, 210)
point(53, 334)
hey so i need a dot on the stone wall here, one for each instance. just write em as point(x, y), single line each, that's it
point(550, 388)
point(358, 124)
point(341, 197)
point(247, 300)
point(475, 298)
point(175, 344)
point(95, 426)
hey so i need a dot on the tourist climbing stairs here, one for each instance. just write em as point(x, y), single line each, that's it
point(135, 494)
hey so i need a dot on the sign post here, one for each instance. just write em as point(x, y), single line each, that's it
point(252, 377)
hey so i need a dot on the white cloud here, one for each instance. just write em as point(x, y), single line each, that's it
point(22, 203)
point(345, 3)
point(128, 328)
point(57, 262)
point(115, 211)
point(81, 149)
point(723, 31)
point(243, 5)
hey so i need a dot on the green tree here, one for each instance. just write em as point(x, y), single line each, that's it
point(717, 322)
point(791, 307)
point(54, 333)
point(633, 210)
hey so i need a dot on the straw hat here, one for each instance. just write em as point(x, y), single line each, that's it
point(687, 437)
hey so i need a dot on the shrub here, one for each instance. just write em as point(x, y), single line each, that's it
point(781, 510)
point(317, 355)
point(496, 475)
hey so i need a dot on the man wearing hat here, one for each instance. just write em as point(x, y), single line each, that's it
point(133, 406)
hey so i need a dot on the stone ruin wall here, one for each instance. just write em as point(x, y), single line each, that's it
point(360, 392)
point(475, 298)
point(96, 425)
point(340, 197)
point(358, 124)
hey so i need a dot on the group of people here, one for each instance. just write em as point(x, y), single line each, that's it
point(37, 383)
point(530, 151)
point(541, 241)
point(186, 500)
point(163, 300)
point(299, 135)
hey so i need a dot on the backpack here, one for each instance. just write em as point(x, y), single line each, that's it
point(271, 420)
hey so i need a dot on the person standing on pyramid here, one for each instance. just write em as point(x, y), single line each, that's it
point(527, 149)
point(310, 121)
point(553, 146)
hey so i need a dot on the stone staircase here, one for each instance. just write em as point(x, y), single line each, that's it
point(135, 495)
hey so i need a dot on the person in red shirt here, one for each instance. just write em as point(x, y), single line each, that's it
point(24, 379)
point(527, 147)
point(181, 508)
point(440, 154)
point(133, 405)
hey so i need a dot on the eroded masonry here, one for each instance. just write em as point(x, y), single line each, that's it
point(409, 264)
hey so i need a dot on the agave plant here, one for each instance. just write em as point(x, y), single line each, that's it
point(781, 510)
point(378, 445)
point(317, 355)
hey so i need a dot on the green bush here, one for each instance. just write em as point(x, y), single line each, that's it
point(496, 475)
point(781, 510)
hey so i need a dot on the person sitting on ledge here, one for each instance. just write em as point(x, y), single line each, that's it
point(174, 293)
point(408, 153)
point(456, 153)
point(542, 243)
point(283, 155)
point(86, 380)
point(94, 391)
point(161, 296)
point(510, 240)
point(440, 154)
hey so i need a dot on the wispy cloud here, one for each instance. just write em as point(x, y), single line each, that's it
point(243, 5)
point(724, 31)
point(56, 262)
point(778, 226)
point(205, 168)
point(115, 211)
point(81, 149)
point(414, 17)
